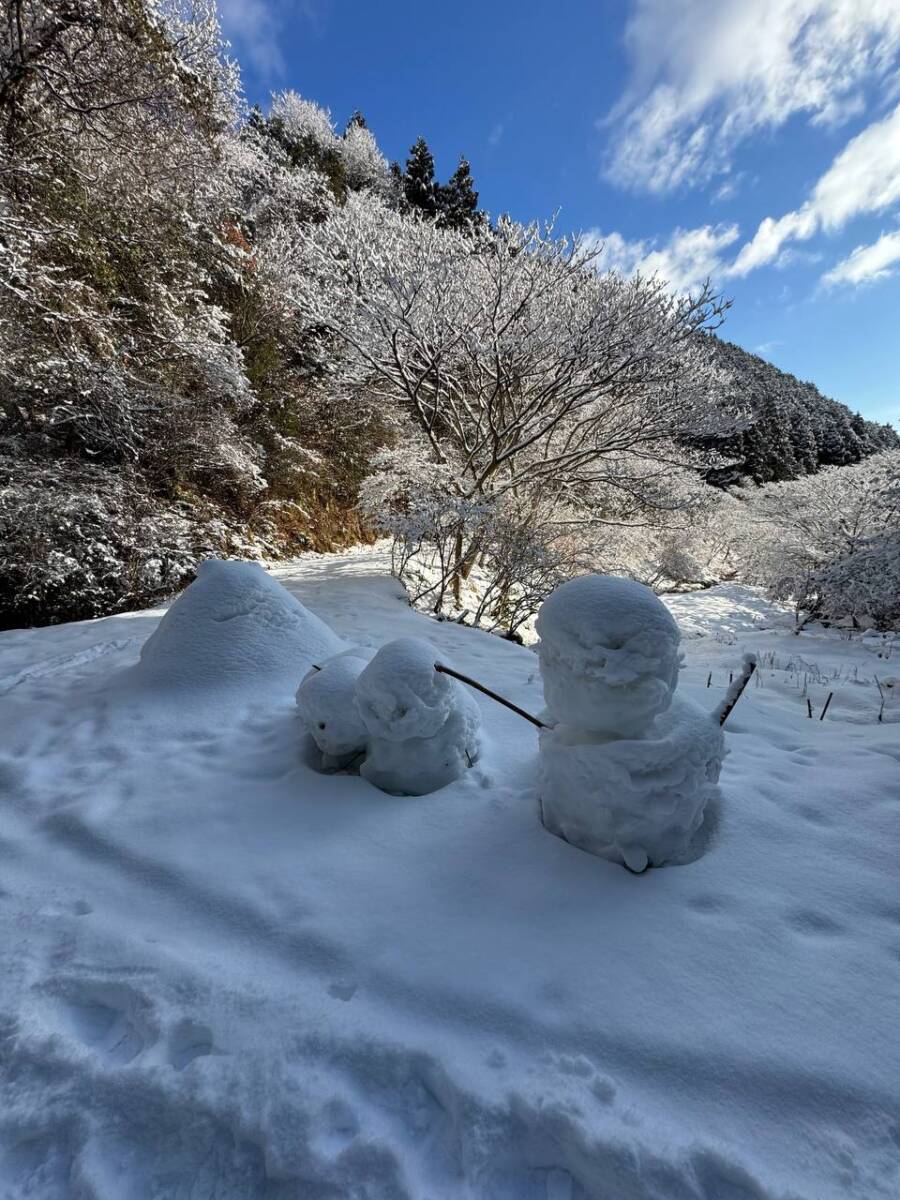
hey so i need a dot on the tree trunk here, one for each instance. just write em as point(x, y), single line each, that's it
point(457, 567)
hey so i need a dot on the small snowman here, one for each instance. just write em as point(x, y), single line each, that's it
point(627, 767)
point(326, 700)
point(422, 726)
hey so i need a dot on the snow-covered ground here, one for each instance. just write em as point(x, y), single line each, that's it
point(225, 975)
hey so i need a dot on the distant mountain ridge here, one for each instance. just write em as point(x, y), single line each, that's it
point(795, 430)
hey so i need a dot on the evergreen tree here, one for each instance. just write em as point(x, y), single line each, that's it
point(458, 200)
point(803, 440)
point(419, 187)
point(356, 118)
point(859, 425)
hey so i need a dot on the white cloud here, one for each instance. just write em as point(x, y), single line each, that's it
point(706, 76)
point(254, 28)
point(866, 263)
point(497, 131)
point(688, 258)
point(727, 190)
point(864, 178)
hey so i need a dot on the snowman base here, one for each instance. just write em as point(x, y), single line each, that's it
point(418, 766)
point(635, 801)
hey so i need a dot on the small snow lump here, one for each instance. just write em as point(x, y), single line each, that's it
point(326, 700)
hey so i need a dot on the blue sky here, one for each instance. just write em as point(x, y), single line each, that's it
point(754, 141)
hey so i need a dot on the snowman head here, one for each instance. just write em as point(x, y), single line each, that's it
point(401, 696)
point(608, 654)
point(327, 703)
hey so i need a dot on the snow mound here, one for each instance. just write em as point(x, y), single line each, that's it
point(423, 725)
point(326, 700)
point(608, 653)
point(234, 625)
point(636, 801)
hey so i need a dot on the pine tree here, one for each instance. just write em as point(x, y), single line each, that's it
point(458, 200)
point(419, 186)
point(356, 118)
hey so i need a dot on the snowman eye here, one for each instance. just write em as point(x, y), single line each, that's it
point(321, 724)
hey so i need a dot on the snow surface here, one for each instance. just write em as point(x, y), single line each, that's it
point(609, 655)
point(225, 975)
point(423, 725)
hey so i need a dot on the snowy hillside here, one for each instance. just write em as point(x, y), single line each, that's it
point(225, 975)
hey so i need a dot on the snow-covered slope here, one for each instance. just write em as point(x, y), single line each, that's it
point(224, 975)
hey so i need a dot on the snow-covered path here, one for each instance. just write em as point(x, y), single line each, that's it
point(225, 975)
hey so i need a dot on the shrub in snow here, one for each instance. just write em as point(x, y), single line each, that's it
point(78, 541)
point(863, 584)
point(423, 726)
point(628, 767)
point(326, 700)
point(235, 625)
point(830, 542)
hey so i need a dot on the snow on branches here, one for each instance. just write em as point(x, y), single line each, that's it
point(830, 541)
point(530, 377)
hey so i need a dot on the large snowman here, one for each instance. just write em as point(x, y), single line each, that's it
point(627, 767)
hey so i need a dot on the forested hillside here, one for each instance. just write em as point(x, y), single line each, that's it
point(233, 332)
point(793, 429)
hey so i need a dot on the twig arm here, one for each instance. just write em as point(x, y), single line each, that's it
point(736, 690)
point(493, 695)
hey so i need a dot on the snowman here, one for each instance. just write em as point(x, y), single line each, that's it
point(627, 766)
point(422, 726)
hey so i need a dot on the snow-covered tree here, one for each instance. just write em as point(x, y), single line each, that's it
point(458, 200)
point(119, 376)
point(517, 361)
point(364, 164)
point(419, 187)
point(791, 428)
point(303, 122)
point(522, 368)
point(830, 541)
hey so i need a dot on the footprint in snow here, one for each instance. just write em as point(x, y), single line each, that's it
point(187, 1041)
point(815, 816)
point(111, 1019)
point(342, 989)
point(336, 1125)
point(53, 908)
point(813, 924)
point(709, 904)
